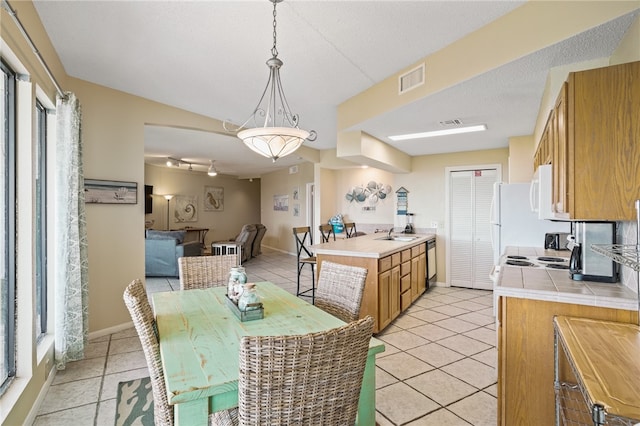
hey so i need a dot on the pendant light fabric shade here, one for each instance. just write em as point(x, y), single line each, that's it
point(273, 142)
point(276, 133)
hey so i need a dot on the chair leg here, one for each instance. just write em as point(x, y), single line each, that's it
point(304, 293)
point(313, 284)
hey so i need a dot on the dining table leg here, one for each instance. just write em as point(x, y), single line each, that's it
point(191, 413)
point(367, 402)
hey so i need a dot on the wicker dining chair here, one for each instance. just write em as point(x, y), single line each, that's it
point(135, 297)
point(137, 302)
point(310, 379)
point(340, 289)
point(205, 271)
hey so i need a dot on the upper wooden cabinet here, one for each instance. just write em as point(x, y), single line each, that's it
point(544, 150)
point(592, 140)
point(560, 157)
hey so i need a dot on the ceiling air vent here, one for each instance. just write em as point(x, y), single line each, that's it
point(454, 122)
point(411, 79)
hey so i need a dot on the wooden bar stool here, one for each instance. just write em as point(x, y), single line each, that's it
point(350, 229)
point(304, 239)
point(326, 232)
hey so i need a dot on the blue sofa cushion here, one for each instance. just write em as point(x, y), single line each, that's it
point(153, 234)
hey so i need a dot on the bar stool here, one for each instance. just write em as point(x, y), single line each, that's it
point(304, 239)
point(350, 229)
point(326, 231)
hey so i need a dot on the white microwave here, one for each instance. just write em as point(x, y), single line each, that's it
point(541, 193)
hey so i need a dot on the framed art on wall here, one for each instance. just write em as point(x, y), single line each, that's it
point(110, 192)
point(185, 208)
point(213, 198)
point(281, 203)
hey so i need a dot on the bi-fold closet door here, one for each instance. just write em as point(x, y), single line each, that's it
point(470, 250)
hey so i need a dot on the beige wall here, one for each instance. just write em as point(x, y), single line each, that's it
point(325, 194)
point(521, 150)
point(113, 133)
point(280, 223)
point(346, 179)
point(426, 186)
point(241, 201)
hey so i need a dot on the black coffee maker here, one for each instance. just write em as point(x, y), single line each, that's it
point(585, 264)
point(408, 229)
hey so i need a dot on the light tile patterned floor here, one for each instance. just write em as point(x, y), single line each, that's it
point(439, 367)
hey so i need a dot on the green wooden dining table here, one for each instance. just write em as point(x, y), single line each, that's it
point(199, 345)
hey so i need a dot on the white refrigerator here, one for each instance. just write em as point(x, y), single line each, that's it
point(514, 223)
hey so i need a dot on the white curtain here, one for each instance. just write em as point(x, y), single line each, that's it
point(71, 265)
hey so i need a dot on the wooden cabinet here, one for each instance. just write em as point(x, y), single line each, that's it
point(560, 148)
point(418, 271)
point(591, 140)
point(388, 289)
point(526, 356)
point(544, 150)
point(393, 282)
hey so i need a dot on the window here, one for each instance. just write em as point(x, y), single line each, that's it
point(41, 220)
point(7, 227)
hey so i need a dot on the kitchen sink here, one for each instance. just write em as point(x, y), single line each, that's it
point(397, 238)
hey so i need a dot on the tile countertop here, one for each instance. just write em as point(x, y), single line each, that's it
point(555, 285)
point(369, 245)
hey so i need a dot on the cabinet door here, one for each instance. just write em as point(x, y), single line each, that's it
point(384, 293)
point(394, 293)
point(544, 150)
point(604, 131)
point(388, 296)
point(560, 153)
point(526, 358)
point(418, 275)
point(422, 273)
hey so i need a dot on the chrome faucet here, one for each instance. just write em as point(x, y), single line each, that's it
point(390, 231)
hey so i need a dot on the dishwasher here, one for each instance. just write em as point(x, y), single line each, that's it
point(431, 263)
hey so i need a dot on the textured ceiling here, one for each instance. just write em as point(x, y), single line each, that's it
point(209, 57)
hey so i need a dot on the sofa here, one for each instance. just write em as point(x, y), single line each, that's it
point(162, 250)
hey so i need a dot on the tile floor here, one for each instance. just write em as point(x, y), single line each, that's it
point(439, 367)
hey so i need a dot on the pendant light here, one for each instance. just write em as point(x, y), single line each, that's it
point(276, 131)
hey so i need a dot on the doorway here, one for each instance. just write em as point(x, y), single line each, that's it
point(469, 252)
point(310, 208)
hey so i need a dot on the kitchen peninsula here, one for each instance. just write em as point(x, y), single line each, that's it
point(527, 299)
point(397, 270)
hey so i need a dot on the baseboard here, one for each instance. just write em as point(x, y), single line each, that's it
point(31, 416)
point(278, 250)
point(110, 330)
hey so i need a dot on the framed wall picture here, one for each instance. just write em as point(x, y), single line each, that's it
point(110, 192)
point(213, 198)
point(185, 208)
point(281, 203)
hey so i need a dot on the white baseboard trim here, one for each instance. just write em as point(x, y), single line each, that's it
point(110, 330)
